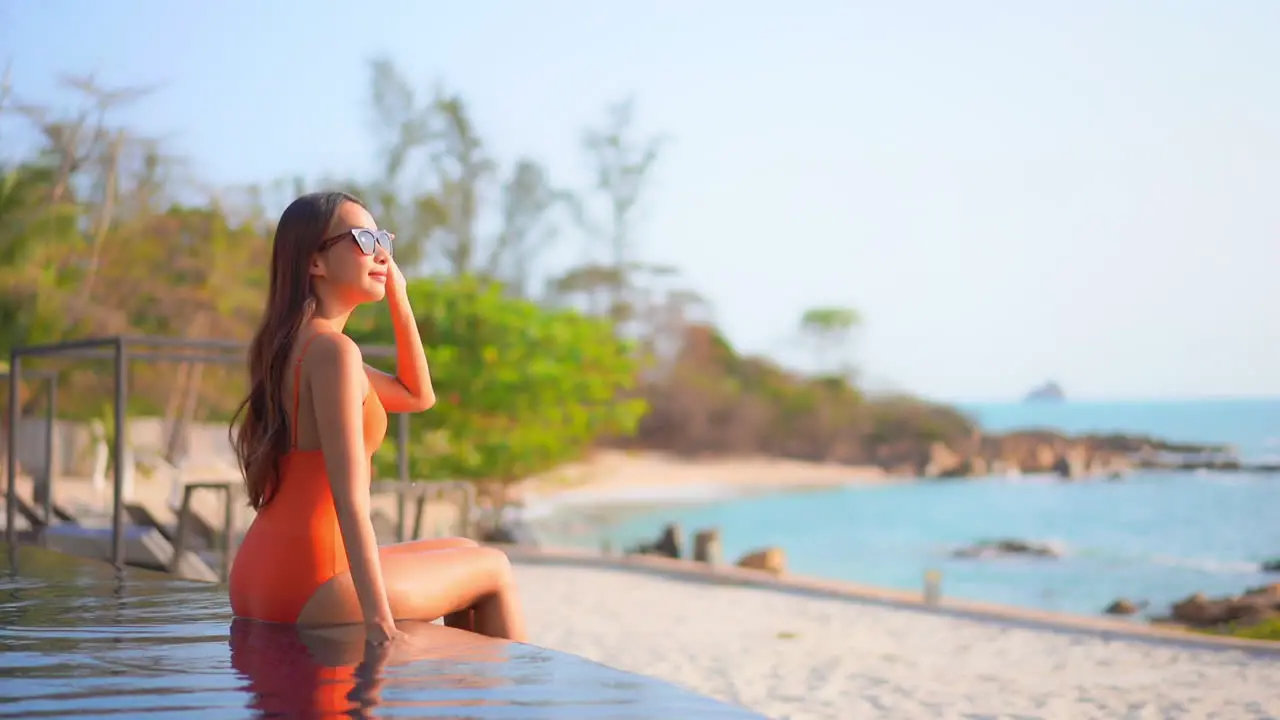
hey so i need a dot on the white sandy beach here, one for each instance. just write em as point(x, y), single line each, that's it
point(621, 472)
point(796, 657)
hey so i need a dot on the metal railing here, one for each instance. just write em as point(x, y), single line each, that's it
point(51, 402)
point(122, 350)
point(421, 493)
point(228, 524)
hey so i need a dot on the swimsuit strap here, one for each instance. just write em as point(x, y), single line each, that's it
point(297, 386)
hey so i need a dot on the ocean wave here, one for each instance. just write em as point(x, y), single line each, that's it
point(1220, 479)
point(1026, 479)
point(1061, 549)
point(1207, 565)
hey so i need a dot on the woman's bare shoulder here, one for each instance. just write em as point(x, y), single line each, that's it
point(333, 355)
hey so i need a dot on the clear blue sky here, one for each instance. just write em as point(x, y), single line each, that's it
point(1009, 191)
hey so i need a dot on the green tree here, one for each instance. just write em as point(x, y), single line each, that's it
point(829, 330)
point(34, 236)
point(521, 388)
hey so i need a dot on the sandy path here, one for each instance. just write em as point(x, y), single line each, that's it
point(794, 657)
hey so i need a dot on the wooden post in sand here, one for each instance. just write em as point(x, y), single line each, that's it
point(706, 546)
point(932, 586)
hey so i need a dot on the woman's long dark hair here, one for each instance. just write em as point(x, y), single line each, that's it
point(263, 436)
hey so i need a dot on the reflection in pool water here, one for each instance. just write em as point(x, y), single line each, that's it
point(320, 673)
point(80, 639)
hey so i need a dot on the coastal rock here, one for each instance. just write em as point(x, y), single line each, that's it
point(977, 466)
point(1043, 452)
point(1008, 546)
point(1048, 452)
point(1272, 565)
point(1043, 455)
point(1070, 464)
point(942, 461)
point(669, 544)
point(770, 559)
point(1124, 606)
point(1254, 605)
point(1048, 392)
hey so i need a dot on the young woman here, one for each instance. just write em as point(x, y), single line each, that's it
point(308, 429)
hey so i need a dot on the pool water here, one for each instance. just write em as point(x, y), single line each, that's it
point(82, 639)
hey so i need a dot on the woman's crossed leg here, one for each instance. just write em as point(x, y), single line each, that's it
point(454, 578)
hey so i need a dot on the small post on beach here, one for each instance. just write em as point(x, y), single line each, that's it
point(932, 586)
point(706, 546)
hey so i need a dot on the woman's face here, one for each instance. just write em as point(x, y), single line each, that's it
point(344, 267)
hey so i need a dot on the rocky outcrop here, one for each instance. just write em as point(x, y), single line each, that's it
point(1006, 547)
point(770, 559)
point(669, 544)
point(1251, 607)
point(944, 462)
point(1124, 606)
point(1048, 392)
point(1069, 457)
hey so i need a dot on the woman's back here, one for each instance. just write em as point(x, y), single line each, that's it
point(295, 543)
point(302, 417)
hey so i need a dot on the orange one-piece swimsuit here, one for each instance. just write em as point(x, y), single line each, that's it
point(294, 544)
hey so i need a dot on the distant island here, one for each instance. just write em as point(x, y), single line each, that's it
point(1048, 392)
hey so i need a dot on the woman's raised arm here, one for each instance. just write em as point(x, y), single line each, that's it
point(409, 390)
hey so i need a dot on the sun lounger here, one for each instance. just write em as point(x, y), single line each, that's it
point(145, 547)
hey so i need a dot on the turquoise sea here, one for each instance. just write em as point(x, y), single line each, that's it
point(1156, 537)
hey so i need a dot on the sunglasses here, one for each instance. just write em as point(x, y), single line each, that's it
point(368, 240)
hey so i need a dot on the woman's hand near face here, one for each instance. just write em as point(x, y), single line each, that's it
point(395, 280)
point(409, 389)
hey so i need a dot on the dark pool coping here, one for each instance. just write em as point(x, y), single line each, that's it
point(656, 697)
point(1101, 627)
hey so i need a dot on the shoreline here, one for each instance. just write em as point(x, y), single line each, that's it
point(689, 571)
point(618, 476)
point(610, 476)
point(574, 518)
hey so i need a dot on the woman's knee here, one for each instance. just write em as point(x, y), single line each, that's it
point(498, 562)
point(448, 543)
point(430, 544)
